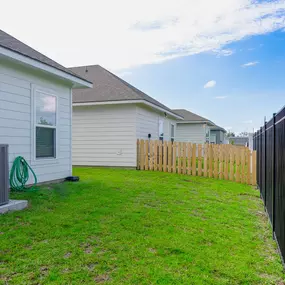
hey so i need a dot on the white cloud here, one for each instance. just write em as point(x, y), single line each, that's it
point(221, 97)
point(228, 128)
point(224, 52)
point(252, 63)
point(247, 122)
point(127, 33)
point(210, 84)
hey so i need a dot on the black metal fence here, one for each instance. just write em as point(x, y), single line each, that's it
point(269, 142)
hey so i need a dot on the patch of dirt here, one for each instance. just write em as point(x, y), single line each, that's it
point(152, 250)
point(87, 248)
point(44, 270)
point(67, 255)
point(91, 266)
point(102, 278)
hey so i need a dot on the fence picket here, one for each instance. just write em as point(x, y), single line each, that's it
point(238, 157)
point(242, 176)
point(226, 165)
point(179, 158)
point(146, 153)
point(164, 156)
point(248, 161)
point(254, 167)
point(216, 161)
point(205, 160)
point(194, 159)
point(155, 155)
point(189, 158)
point(232, 157)
point(210, 151)
point(150, 150)
point(199, 160)
point(174, 155)
point(221, 162)
point(184, 158)
point(169, 156)
point(160, 155)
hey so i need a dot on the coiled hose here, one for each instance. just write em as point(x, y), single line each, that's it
point(19, 174)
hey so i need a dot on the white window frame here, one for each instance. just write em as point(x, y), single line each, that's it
point(172, 138)
point(34, 125)
point(207, 130)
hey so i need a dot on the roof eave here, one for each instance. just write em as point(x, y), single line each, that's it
point(197, 122)
point(76, 104)
point(76, 82)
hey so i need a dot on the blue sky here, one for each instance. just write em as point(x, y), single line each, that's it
point(242, 95)
point(170, 49)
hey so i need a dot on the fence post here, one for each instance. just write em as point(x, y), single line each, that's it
point(273, 175)
point(265, 178)
point(260, 164)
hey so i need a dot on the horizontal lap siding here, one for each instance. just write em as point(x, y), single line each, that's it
point(15, 120)
point(194, 133)
point(104, 135)
point(147, 122)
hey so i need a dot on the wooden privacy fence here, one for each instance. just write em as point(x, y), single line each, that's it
point(227, 162)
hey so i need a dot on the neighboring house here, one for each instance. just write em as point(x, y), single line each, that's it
point(241, 141)
point(193, 128)
point(217, 135)
point(36, 108)
point(110, 117)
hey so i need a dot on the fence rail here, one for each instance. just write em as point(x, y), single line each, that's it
point(269, 142)
point(219, 161)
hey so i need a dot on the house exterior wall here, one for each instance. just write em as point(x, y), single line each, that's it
point(17, 119)
point(220, 136)
point(147, 122)
point(194, 133)
point(104, 135)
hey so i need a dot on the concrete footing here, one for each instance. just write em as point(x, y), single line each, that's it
point(13, 205)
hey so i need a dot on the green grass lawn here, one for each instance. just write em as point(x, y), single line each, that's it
point(133, 227)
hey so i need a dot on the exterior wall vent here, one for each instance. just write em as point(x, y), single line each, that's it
point(4, 175)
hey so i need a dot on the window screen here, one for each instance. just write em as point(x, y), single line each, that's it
point(45, 142)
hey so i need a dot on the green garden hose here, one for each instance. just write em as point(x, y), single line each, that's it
point(19, 174)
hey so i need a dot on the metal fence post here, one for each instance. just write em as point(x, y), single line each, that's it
point(260, 164)
point(273, 175)
point(265, 176)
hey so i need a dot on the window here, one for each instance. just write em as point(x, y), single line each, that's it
point(207, 136)
point(172, 132)
point(160, 129)
point(45, 125)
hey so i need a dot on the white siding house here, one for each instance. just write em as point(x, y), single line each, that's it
point(108, 120)
point(36, 109)
point(196, 129)
point(195, 133)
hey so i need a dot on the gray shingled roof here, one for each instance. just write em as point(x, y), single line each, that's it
point(191, 117)
point(217, 128)
point(15, 45)
point(108, 87)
